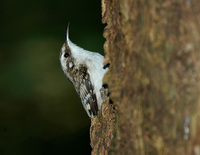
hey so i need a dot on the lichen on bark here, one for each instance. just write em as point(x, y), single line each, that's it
point(102, 129)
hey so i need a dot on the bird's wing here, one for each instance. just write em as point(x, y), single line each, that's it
point(86, 90)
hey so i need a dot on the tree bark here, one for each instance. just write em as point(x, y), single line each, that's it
point(153, 48)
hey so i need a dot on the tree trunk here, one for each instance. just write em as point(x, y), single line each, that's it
point(153, 48)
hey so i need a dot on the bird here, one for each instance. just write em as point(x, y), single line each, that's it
point(85, 70)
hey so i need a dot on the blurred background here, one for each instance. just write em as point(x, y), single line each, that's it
point(40, 112)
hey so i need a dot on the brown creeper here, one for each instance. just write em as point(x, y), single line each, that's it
point(85, 70)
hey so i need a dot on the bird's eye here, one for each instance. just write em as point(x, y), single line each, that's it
point(66, 54)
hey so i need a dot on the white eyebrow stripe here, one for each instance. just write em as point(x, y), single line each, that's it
point(63, 48)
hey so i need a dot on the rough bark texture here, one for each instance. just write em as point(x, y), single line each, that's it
point(153, 48)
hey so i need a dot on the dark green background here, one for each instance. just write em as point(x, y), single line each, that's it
point(40, 112)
